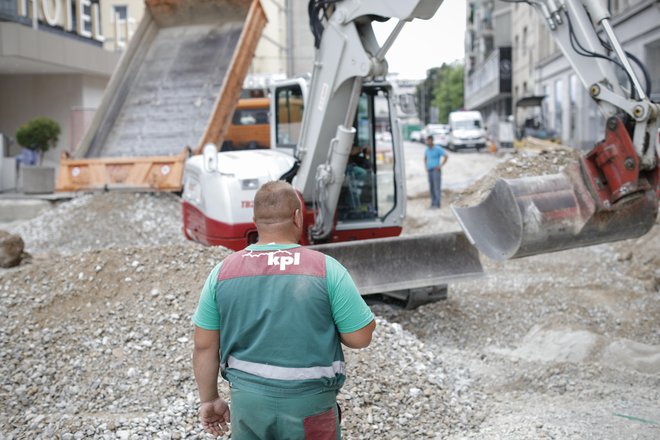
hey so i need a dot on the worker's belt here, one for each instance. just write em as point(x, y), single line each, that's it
point(285, 373)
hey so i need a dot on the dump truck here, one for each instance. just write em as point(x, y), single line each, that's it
point(174, 90)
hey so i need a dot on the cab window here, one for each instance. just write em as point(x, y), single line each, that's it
point(368, 191)
point(289, 113)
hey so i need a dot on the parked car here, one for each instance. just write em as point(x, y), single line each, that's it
point(440, 135)
point(416, 136)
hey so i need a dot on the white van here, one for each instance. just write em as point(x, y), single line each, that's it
point(466, 130)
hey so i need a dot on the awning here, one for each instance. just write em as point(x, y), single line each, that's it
point(530, 101)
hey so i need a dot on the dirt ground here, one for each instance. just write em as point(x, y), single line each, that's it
point(562, 345)
point(96, 340)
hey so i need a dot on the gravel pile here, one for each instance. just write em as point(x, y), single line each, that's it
point(99, 221)
point(98, 345)
point(518, 164)
point(96, 340)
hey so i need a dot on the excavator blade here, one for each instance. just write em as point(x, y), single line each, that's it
point(535, 215)
point(389, 266)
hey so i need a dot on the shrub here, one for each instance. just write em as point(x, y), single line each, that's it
point(39, 134)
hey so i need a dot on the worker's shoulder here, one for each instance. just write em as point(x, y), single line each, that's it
point(331, 264)
point(315, 255)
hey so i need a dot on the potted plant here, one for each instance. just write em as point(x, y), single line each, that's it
point(37, 136)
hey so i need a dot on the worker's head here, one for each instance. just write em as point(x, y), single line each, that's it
point(277, 212)
point(429, 141)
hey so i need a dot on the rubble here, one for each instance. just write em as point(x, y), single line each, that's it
point(96, 338)
point(11, 249)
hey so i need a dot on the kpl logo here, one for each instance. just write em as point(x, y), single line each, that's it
point(278, 258)
point(283, 260)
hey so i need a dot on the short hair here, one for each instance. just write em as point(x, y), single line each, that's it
point(275, 202)
point(429, 137)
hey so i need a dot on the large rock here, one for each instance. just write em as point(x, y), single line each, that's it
point(11, 249)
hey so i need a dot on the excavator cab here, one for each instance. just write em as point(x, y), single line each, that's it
point(371, 203)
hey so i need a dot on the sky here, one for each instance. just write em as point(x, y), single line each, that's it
point(423, 44)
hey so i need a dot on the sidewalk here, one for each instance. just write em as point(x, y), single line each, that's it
point(18, 206)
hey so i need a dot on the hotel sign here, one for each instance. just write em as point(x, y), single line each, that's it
point(60, 13)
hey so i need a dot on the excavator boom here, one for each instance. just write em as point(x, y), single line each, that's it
point(612, 192)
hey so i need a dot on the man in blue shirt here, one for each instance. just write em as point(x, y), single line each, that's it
point(434, 159)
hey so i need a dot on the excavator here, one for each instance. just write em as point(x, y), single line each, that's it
point(335, 137)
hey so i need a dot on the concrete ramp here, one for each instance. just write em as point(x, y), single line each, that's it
point(169, 102)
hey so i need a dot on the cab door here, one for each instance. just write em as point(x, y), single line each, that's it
point(372, 200)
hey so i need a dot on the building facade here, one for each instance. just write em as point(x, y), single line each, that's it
point(567, 107)
point(488, 62)
point(52, 63)
point(57, 56)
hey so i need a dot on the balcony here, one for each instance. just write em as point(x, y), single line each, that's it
point(490, 79)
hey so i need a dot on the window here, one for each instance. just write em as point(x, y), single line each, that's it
point(652, 58)
point(369, 188)
point(289, 109)
point(558, 107)
point(120, 11)
point(516, 48)
point(573, 90)
point(250, 116)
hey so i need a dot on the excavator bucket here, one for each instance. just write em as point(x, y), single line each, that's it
point(535, 215)
point(411, 269)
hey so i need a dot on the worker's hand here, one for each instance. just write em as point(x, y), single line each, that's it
point(214, 416)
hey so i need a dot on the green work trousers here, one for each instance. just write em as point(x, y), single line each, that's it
point(255, 416)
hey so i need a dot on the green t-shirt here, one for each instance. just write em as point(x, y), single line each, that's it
point(349, 311)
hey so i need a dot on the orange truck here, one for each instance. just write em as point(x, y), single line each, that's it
point(174, 90)
point(250, 126)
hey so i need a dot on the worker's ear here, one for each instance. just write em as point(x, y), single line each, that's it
point(297, 218)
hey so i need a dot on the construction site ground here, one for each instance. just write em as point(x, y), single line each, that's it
point(96, 337)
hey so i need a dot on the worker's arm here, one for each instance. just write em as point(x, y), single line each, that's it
point(353, 318)
point(206, 362)
point(360, 338)
point(445, 158)
point(213, 411)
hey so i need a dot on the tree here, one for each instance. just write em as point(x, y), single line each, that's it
point(448, 90)
point(39, 134)
point(425, 96)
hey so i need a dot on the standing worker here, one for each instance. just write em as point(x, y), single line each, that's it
point(434, 158)
point(271, 318)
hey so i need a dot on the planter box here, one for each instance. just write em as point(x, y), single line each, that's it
point(38, 180)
